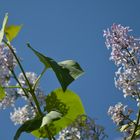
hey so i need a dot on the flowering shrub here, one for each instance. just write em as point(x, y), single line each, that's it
point(126, 56)
point(43, 115)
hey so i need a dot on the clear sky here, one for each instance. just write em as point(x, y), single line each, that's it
point(72, 29)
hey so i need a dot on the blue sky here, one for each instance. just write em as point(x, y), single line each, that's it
point(72, 29)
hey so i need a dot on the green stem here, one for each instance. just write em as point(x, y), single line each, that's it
point(12, 87)
point(36, 102)
point(31, 89)
point(10, 47)
point(39, 77)
point(127, 118)
point(25, 92)
point(135, 128)
point(19, 83)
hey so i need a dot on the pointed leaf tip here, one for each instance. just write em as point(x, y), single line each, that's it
point(12, 31)
point(3, 27)
point(65, 71)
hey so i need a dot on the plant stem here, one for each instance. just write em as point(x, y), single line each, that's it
point(11, 87)
point(31, 90)
point(135, 128)
point(26, 94)
point(29, 85)
point(19, 83)
point(36, 102)
point(10, 47)
point(39, 77)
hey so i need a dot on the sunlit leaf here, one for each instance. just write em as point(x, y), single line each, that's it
point(53, 115)
point(12, 31)
point(3, 27)
point(68, 104)
point(66, 71)
point(2, 93)
point(28, 127)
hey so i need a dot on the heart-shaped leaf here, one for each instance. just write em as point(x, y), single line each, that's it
point(68, 104)
point(66, 71)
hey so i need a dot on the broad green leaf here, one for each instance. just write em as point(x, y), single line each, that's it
point(53, 115)
point(66, 71)
point(28, 127)
point(12, 31)
point(68, 104)
point(3, 27)
point(2, 93)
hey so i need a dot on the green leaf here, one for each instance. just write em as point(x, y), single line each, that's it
point(74, 68)
point(2, 93)
point(68, 104)
point(3, 27)
point(28, 127)
point(12, 31)
point(53, 115)
point(66, 71)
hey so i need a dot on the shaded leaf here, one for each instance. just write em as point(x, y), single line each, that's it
point(68, 104)
point(2, 93)
point(28, 127)
point(74, 68)
point(3, 27)
point(12, 31)
point(53, 115)
point(66, 71)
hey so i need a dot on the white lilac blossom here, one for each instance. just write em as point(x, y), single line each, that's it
point(9, 99)
point(21, 115)
point(128, 80)
point(83, 128)
point(69, 134)
point(32, 77)
point(126, 54)
point(117, 113)
point(7, 61)
point(124, 47)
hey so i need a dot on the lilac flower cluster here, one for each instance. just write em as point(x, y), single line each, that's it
point(7, 62)
point(83, 128)
point(126, 55)
point(69, 134)
point(7, 65)
point(20, 115)
point(118, 113)
point(32, 77)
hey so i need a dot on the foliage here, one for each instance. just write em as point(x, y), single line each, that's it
point(44, 115)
